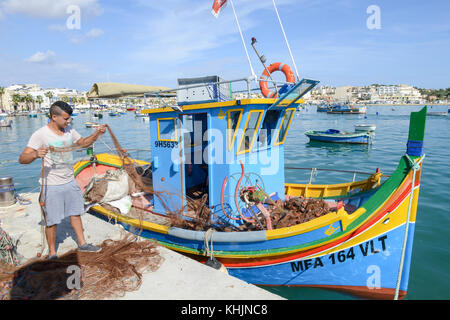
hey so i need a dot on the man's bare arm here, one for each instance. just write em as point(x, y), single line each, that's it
point(86, 142)
point(30, 154)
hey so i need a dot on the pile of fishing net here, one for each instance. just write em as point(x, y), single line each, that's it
point(108, 274)
point(294, 211)
point(300, 210)
point(289, 213)
point(8, 253)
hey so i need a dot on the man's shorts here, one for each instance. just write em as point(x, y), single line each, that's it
point(63, 201)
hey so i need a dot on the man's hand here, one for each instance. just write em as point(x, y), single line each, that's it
point(86, 142)
point(29, 155)
point(101, 129)
point(41, 152)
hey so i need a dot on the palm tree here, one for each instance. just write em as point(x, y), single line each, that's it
point(28, 98)
point(2, 92)
point(49, 95)
point(39, 100)
point(17, 99)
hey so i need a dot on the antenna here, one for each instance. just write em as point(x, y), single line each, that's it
point(263, 61)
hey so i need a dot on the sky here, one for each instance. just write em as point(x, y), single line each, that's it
point(76, 43)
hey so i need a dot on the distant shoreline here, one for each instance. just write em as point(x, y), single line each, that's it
point(403, 105)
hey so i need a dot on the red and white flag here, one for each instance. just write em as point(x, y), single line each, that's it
point(218, 5)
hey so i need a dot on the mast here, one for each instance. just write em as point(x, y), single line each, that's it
point(285, 38)
point(243, 42)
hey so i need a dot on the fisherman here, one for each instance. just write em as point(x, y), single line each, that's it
point(62, 196)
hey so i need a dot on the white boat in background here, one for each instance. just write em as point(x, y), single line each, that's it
point(437, 113)
point(365, 127)
point(138, 114)
point(5, 122)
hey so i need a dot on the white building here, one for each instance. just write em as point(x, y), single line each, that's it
point(35, 90)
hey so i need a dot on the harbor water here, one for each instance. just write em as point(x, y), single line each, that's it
point(429, 276)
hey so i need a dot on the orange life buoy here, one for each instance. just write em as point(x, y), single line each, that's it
point(277, 66)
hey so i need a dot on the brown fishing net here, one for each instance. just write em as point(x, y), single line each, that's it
point(108, 274)
point(292, 212)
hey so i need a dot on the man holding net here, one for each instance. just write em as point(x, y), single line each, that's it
point(61, 195)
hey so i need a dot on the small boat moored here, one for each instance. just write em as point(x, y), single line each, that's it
point(346, 109)
point(365, 127)
point(437, 113)
point(336, 136)
point(90, 124)
point(5, 123)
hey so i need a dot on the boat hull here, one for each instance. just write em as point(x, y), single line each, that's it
point(5, 123)
point(338, 138)
point(367, 269)
point(437, 113)
point(357, 253)
point(346, 112)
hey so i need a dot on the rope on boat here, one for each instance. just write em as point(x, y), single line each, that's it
point(415, 166)
point(212, 262)
point(209, 234)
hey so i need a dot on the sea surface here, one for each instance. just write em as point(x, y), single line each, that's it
point(429, 275)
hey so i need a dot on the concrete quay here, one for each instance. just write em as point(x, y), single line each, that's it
point(178, 277)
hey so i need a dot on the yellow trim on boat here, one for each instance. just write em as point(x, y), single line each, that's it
point(112, 159)
point(391, 221)
point(132, 221)
point(232, 139)
point(317, 223)
point(277, 141)
point(175, 139)
point(231, 103)
point(331, 190)
point(249, 148)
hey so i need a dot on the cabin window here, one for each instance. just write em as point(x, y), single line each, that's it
point(285, 123)
point(234, 119)
point(251, 128)
point(268, 128)
point(167, 129)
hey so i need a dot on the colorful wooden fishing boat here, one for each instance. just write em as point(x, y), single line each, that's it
point(365, 252)
point(336, 136)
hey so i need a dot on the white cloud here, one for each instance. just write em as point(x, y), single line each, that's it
point(42, 57)
point(50, 8)
point(94, 33)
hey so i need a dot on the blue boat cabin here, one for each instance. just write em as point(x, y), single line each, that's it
point(208, 151)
